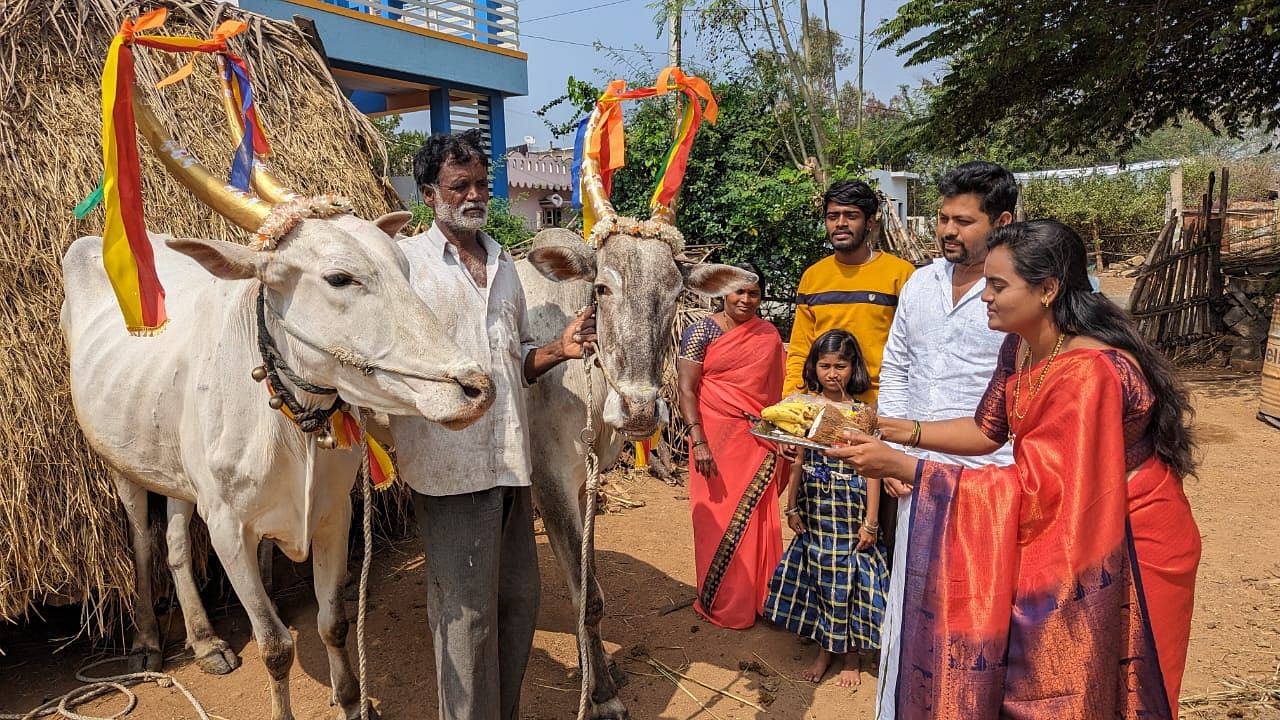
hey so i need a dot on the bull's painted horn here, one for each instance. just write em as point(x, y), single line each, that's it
point(664, 214)
point(244, 210)
point(264, 183)
point(593, 193)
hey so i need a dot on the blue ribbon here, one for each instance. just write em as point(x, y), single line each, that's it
point(242, 160)
point(575, 175)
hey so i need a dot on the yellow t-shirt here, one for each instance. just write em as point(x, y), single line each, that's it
point(861, 299)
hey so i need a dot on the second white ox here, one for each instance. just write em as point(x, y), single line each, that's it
point(635, 279)
point(179, 415)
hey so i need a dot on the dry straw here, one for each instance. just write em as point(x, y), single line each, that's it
point(62, 534)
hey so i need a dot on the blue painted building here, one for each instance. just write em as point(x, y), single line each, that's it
point(458, 59)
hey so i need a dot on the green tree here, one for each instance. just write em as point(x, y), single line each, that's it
point(402, 145)
point(1067, 76)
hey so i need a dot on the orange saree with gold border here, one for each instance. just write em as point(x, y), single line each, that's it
point(1024, 591)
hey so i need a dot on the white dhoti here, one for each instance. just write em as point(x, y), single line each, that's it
point(891, 630)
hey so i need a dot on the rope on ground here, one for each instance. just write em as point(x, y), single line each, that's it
point(365, 562)
point(588, 543)
point(97, 687)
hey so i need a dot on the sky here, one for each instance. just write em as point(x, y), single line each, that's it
point(558, 36)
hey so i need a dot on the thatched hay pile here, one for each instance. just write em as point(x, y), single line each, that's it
point(62, 534)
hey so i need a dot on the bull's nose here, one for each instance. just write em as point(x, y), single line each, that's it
point(475, 385)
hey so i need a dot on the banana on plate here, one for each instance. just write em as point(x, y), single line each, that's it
point(820, 420)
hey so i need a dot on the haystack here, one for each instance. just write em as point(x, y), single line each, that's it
point(62, 533)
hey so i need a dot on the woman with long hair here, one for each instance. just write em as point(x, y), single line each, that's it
point(1062, 585)
point(730, 365)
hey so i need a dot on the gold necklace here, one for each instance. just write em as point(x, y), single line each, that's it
point(1032, 388)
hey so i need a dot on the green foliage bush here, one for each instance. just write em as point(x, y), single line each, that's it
point(1119, 209)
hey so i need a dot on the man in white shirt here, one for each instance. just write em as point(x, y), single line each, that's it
point(471, 486)
point(940, 354)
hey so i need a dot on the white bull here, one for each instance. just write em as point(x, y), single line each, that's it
point(635, 282)
point(179, 415)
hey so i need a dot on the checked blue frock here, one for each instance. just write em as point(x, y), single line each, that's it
point(824, 589)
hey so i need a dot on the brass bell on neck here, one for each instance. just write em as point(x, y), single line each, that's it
point(259, 373)
point(324, 439)
point(276, 402)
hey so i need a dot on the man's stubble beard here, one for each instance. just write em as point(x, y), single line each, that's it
point(964, 256)
point(859, 239)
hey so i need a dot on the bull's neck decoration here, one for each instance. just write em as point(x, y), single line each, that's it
point(600, 149)
point(127, 253)
point(335, 426)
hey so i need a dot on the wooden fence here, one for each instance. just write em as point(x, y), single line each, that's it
point(1173, 297)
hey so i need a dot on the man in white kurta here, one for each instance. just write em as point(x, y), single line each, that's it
point(471, 486)
point(940, 356)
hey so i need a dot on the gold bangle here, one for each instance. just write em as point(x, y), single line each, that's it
point(914, 440)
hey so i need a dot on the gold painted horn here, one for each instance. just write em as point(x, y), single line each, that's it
point(264, 183)
point(244, 210)
point(592, 186)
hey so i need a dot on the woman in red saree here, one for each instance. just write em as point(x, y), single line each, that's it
point(731, 364)
point(1061, 586)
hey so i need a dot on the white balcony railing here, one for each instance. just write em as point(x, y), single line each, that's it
point(491, 22)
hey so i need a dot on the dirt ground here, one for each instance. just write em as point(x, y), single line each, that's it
point(646, 567)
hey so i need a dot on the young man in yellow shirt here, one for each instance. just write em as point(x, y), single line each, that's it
point(855, 289)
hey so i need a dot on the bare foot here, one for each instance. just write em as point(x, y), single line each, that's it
point(850, 675)
point(814, 672)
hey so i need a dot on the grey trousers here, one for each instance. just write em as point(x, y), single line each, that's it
point(482, 597)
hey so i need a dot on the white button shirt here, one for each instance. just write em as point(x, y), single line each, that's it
point(489, 325)
point(939, 357)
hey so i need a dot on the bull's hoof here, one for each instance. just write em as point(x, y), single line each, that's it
point(217, 659)
point(611, 709)
point(619, 675)
point(354, 713)
point(145, 659)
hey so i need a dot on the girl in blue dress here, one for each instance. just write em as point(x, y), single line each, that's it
point(833, 579)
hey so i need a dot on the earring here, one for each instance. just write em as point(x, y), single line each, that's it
point(1046, 303)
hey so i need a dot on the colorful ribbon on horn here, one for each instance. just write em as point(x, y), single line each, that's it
point(126, 250)
point(604, 140)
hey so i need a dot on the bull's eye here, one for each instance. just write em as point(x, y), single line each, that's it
point(339, 279)
point(602, 290)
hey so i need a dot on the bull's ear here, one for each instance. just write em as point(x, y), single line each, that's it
point(226, 260)
point(714, 280)
point(562, 255)
point(393, 222)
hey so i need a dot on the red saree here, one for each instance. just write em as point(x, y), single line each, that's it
point(737, 534)
point(1057, 587)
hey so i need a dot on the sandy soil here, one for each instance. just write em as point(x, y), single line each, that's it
point(646, 567)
